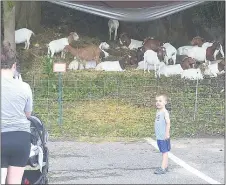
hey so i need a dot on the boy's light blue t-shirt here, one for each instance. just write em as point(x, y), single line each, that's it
point(160, 125)
point(16, 99)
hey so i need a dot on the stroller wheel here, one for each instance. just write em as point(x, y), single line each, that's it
point(46, 180)
point(33, 161)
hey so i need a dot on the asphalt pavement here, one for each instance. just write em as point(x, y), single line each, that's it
point(134, 162)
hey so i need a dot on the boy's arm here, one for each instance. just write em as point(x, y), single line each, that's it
point(167, 118)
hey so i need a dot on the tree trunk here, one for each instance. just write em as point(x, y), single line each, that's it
point(9, 23)
point(28, 15)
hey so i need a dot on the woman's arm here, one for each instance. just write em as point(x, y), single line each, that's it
point(29, 104)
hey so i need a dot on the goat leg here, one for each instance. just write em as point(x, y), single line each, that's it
point(221, 51)
point(144, 66)
point(115, 33)
point(25, 46)
point(28, 44)
point(155, 70)
point(109, 34)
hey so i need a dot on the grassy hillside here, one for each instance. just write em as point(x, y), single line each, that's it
point(122, 104)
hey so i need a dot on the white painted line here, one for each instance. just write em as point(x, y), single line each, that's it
point(185, 165)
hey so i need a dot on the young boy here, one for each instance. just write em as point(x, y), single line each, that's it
point(162, 132)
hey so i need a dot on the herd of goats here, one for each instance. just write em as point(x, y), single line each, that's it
point(199, 58)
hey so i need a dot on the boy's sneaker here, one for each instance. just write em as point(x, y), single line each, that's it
point(160, 171)
point(167, 169)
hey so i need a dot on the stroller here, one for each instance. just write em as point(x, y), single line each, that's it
point(38, 164)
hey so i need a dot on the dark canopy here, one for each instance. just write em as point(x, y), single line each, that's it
point(130, 11)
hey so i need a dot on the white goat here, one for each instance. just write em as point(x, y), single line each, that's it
point(151, 58)
point(192, 74)
point(170, 70)
point(197, 53)
point(103, 46)
point(171, 52)
point(109, 66)
point(57, 46)
point(207, 44)
point(91, 64)
point(145, 66)
point(212, 70)
point(127, 42)
point(74, 65)
point(135, 44)
point(183, 50)
point(113, 26)
point(23, 35)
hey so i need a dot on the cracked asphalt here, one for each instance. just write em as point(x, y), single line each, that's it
point(133, 162)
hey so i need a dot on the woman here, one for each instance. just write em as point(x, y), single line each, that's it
point(16, 106)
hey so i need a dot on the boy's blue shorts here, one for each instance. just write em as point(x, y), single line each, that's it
point(164, 145)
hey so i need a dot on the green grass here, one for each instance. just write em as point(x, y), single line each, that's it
point(121, 105)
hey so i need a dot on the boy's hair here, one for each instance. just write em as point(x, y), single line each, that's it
point(8, 56)
point(163, 95)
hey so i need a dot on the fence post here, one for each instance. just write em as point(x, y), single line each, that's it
point(59, 68)
point(60, 98)
point(196, 98)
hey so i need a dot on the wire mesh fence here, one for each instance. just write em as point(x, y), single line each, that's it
point(125, 106)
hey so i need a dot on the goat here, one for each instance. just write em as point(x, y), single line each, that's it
point(169, 70)
point(170, 53)
point(183, 50)
point(111, 66)
point(125, 40)
point(187, 62)
point(90, 64)
point(88, 53)
point(74, 65)
point(198, 53)
point(23, 35)
point(177, 69)
point(212, 50)
point(161, 53)
point(113, 26)
point(151, 58)
point(213, 70)
point(197, 41)
point(140, 54)
point(192, 74)
point(57, 46)
point(151, 43)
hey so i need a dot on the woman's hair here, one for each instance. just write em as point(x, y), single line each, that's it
point(8, 56)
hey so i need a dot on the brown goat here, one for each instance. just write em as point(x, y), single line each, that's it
point(197, 41)
point(221, 65)
point(210, 51)
point(161, 53)
point(185, 61)
point(88, 53)
point(124, 39)
point(151, 43)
